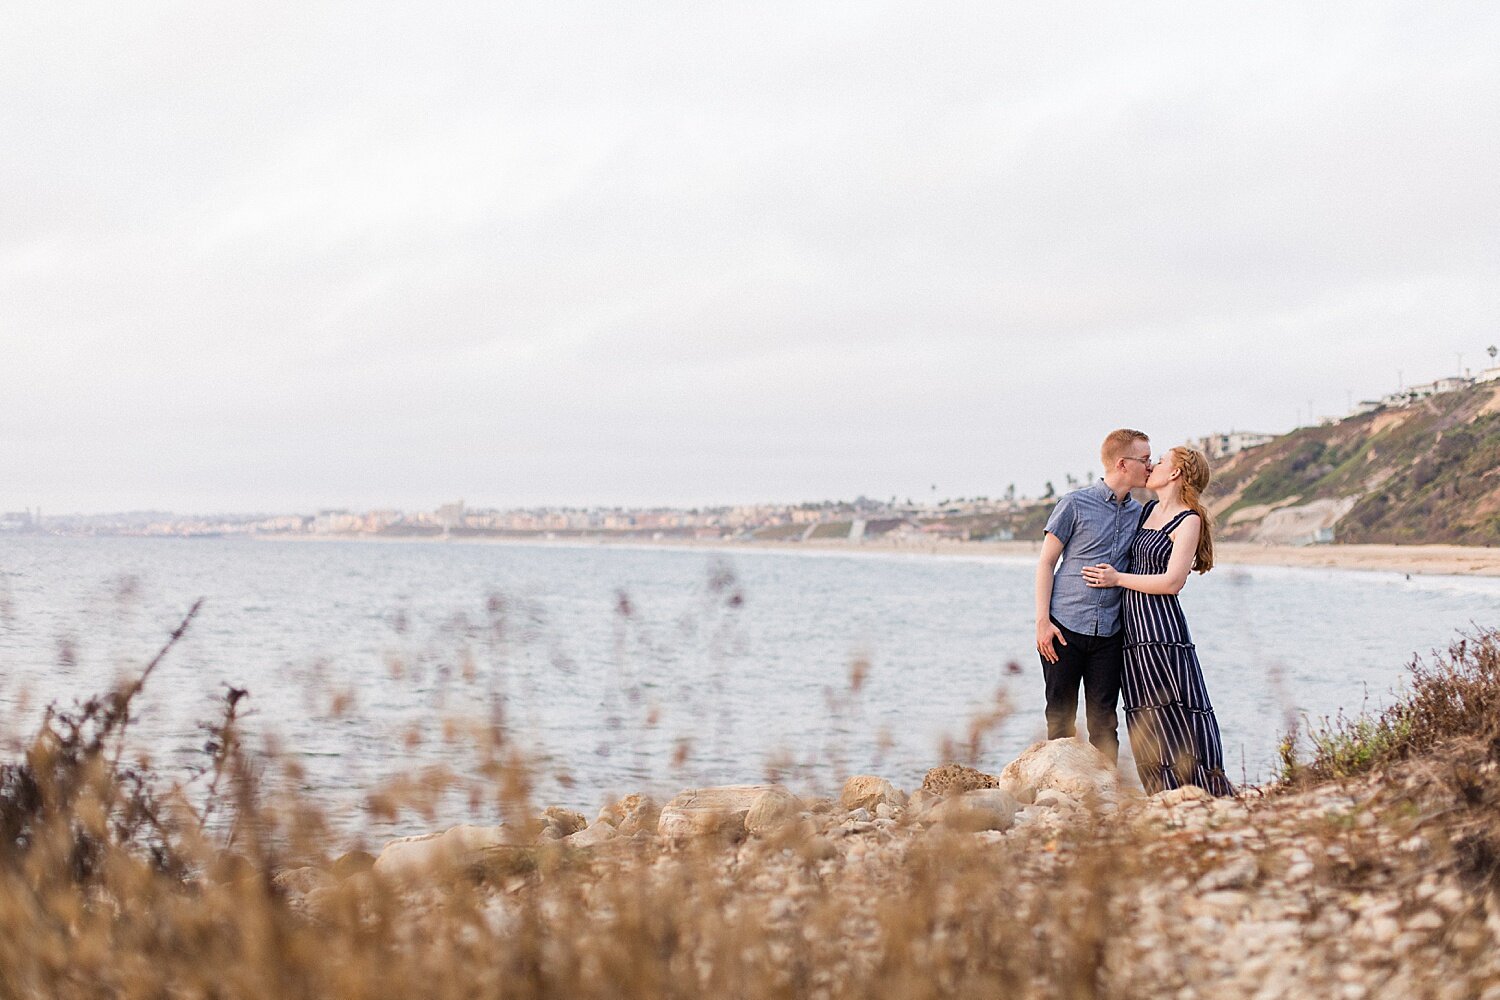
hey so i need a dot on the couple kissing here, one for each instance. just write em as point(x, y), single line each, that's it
point(1107, 615)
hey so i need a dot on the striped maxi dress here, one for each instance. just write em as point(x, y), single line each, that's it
point(1173, 733)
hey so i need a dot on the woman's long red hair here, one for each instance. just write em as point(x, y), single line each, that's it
point(1193, 465)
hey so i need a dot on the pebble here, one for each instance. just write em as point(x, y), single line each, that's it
point(1450, 898)
point(1051, 798)
point(1240, 872)
point(1425, 921)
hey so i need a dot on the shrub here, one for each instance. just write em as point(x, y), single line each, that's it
point(1450, 696)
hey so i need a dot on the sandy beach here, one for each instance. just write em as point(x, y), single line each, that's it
point(1427, 560)
point(1443, 560)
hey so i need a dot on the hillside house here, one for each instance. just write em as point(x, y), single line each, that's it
point(1222, 445)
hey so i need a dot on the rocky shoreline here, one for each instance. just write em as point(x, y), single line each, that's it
point(1376, 887)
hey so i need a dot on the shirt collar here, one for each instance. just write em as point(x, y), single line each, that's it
point(1103, 492)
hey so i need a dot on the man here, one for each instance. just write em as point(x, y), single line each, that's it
point(1078, 628)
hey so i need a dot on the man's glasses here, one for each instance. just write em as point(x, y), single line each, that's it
point(1147, 462)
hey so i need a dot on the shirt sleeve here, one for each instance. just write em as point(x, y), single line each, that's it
point(1060, 522)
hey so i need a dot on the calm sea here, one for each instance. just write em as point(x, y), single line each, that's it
point(621, 669)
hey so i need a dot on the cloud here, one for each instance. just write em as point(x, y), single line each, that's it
point(677, 253)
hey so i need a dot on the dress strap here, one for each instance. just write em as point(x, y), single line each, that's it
point(1145, 513)
point(1167, 528)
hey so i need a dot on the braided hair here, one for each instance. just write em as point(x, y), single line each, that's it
point(1193, 465)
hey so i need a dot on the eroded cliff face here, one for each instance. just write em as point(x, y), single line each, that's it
point(1426, 473)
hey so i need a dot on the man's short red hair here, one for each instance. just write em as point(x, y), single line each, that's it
point(1117, 445)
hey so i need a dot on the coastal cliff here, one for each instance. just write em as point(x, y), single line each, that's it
point(1424, 473)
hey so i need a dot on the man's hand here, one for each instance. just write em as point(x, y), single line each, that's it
point(1045, 633)
point(1102, 575)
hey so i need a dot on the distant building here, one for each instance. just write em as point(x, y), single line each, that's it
point(1451, 384)
point(450, 515)
point(1222, 445)
point(16, 520)
point(1488, 375)
point(336, 522)
point(1366, 406)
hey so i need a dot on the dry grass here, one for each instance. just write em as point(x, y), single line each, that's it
point(1450, 696)
point(118, 883)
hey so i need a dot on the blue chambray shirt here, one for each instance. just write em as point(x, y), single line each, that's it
point(1094, 528)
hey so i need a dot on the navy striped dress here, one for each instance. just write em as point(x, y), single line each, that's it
point(1173, 733)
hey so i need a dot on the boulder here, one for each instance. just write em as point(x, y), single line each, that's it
point(771, 810)
point(566, 821)
point(592, 836)
point(973, 811)
point(301, 881)
point(865, 791)
point(920, 803)
point(353, 863)
point(953, 779)
point(1070, 766)
point(354, 897)
point(699, 812)
point(631, 814)
point(434, 853)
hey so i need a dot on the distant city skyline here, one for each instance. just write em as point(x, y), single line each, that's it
point(602, 255)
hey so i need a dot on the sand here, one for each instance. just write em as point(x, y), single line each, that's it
point(1428, 560)
point(1441, 560)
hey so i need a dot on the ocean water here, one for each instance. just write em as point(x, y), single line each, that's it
point(619, 669)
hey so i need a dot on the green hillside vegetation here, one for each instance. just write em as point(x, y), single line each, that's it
point(1424, 473)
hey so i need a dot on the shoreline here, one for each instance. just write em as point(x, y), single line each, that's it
point(1415, 560)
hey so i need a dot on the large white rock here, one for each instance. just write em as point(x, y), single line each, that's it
point(413, 857)
point(1070, 766)
point(698, 812)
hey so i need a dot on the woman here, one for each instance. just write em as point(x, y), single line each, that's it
point(1173, 733)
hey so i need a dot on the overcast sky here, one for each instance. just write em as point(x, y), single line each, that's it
point(283, 256)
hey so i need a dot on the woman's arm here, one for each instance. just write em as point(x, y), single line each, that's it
point(1184, 549)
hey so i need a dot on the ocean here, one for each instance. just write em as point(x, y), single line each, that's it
point(618, 668)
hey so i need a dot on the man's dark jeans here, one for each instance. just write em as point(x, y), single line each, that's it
point(1097, 661)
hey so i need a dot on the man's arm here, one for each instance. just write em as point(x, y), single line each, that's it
point(1046, 566)
point(1184, 550)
